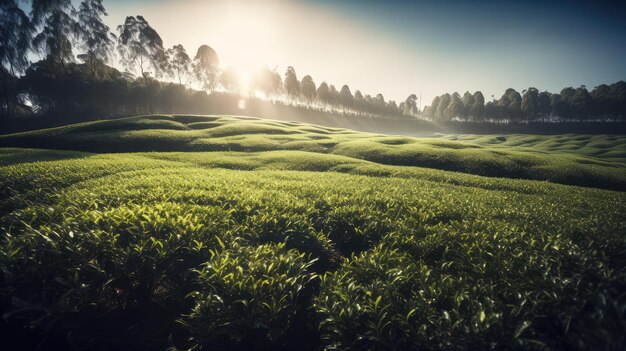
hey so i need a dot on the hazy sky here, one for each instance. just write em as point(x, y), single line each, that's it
point(402, 47)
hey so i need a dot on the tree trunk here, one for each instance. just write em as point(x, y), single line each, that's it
point(147, 104)
point(143, 74)
point(93, 65)
point(145, 77)
point(7, 96)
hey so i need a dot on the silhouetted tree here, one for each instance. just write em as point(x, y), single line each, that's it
point(15, 38)
point(493, 111)
point(603, 102)
point(335, 98)
point(179, 62)
point(565, 103)
point(206, 67)
point(269, 82)
point(444, 102)
point(95, 36)
point(610, 101)
point(543, 104)
point(57, 26)
point(379, 101)
point(455, 107)
point(468, 101)
point(141, 47)
point(581, 103)
point(323, 93)
point(368, 103)
point(308, 88)
point(358, 96)
point(558, 106)
point(618, 95)
point(431, 111)
point(345, 97)
point(530, 103)
point(567, 93)
point(358, 100)
point(410, 105)
point(511, 103)
point(392, 108)
point(292, 86)
point(477, 110)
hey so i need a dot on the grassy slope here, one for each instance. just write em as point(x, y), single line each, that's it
point(473, 251)
point(608, 147)
point(113, 246)
point(597, 161)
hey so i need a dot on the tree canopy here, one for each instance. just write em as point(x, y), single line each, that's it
point(206, 67)
point(96, 37)
point(141, 47)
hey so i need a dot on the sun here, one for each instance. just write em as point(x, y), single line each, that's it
point(248, 40)
point(246, 76)
point(239, 78)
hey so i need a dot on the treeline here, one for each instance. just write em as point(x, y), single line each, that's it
point(603, 103)
point(75, 75)
point(327, 96)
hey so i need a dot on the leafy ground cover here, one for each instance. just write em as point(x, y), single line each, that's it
point(598, 161)
point(284, 249)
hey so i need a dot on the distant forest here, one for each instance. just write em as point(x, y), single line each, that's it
point(57, 62)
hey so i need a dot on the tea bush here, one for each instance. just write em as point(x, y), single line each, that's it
point(248, 296)
point(290, 249)
point(586, 160)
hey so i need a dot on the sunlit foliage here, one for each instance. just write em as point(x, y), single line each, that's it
point(288, 249)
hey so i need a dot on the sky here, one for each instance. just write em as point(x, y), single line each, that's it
point(401, 47)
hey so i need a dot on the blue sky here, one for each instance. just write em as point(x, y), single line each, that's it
point(402, 47)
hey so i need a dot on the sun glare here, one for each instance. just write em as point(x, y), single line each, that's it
point(245, 75)
point(241, 104)
point(248, 40)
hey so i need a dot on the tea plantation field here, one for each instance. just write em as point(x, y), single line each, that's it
point(230, 233)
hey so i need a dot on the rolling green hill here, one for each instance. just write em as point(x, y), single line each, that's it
point(236, 233)
point(597, 161)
